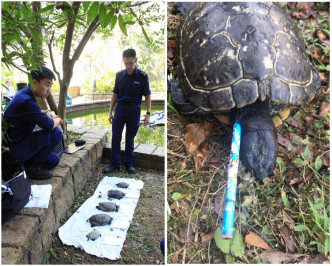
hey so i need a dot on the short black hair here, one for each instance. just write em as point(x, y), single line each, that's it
point(129, 53)
point(41, 73)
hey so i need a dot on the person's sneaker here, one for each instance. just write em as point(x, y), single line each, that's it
point(131, 169)
point(38, 172)
point(111, 169)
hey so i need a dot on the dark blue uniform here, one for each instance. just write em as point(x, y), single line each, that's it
point(24, 114)
point(130, 89)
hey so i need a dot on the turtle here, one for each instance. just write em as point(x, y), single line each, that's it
point(100, 220)
point(93, 235)
point(243, 62)
point(122, 185)
point(108, 206)
point(116, 194)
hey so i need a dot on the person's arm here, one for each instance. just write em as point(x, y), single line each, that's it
point(113, 102)
point(148, 109)
point(57, 121)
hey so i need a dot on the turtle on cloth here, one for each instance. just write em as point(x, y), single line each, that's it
point(244, 62)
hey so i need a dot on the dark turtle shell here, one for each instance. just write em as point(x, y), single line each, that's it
point(122, 185)
point(100, 219)
point(231, 54)
point(116, 194)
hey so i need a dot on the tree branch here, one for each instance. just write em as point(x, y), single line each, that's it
point(49, 45)
point(69, 33)
point(91, 29)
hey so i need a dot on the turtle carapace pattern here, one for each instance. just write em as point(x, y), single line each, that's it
point(247, 55)
point(122, 185)
point(108, 206)
point(100, 220)
point(116, 194)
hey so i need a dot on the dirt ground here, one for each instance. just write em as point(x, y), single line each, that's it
point(147, 228)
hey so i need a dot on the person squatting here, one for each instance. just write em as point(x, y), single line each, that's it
point(33, 148)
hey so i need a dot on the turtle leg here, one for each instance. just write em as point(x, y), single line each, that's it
point(180, 102)
point(280, 117)
point(259, 145)
point(223, 118)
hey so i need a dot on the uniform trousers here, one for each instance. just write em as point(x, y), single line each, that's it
point(128, 115)
point(38, 147)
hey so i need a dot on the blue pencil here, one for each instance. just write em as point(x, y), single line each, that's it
point(227, 228)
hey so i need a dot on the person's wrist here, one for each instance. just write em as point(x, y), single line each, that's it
point(148, 113)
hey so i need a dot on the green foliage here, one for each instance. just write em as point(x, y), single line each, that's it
point(104, 83)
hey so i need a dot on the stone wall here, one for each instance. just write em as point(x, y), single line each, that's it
point(28, 235)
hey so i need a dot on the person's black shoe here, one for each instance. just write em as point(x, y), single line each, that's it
point(131, 169)
point(38, 172)
point(111, 169)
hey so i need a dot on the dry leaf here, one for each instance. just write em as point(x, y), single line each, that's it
point(206, 238)
point(200, 155)
point(183, 233)
point(278, 257)
point(219, 202)
point(175, 257)
point(324, 109)
point(287, 143)
point(305, 10)
point(287, 220)
point(196, 135)
point(286, 235)
point(255, 240)
point(175, 207)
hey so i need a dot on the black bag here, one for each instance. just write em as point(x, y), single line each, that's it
point(15, 194)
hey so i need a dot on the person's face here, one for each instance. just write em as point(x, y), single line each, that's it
point(130, 64)
point(42, 88)
point(9, 83)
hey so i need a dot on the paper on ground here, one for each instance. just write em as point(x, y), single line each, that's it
point(110, 244)
point(40, 196)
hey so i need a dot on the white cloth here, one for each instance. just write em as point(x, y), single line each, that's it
point(110, 244)
point(40, 196)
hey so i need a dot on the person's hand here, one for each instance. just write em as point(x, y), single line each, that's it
point(50, 114)
point(110, 118)
point(146, 120)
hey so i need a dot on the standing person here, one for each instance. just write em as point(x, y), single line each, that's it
point(130, 85)
point(34, 149)
point(8, 91)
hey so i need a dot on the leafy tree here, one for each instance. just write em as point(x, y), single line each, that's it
point(30, 30)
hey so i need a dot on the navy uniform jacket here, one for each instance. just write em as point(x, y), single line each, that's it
point(24, 113)
point(131, 88)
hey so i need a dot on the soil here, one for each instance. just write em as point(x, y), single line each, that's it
point(144, 235)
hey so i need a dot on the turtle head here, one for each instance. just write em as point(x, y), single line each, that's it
point(259, 145)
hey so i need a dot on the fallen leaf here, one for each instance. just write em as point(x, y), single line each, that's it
point(278, 257)
point(293, 178)
point(175, 207)
point(305, 10)
point(175, 257)
point(196, 135)
point(324, 109)
point(183, 205)
point(200, 156)
point(287, 143)
point(286, 235)
point(287, 220)
point(184, 234)
point(219, 203)
point(206, 238)
point(255, 240)
point(319, 259)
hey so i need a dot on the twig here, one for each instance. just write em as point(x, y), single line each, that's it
point(187, 236)
point(176, 154)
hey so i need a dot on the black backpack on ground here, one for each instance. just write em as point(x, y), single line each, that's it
point(15, 192)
